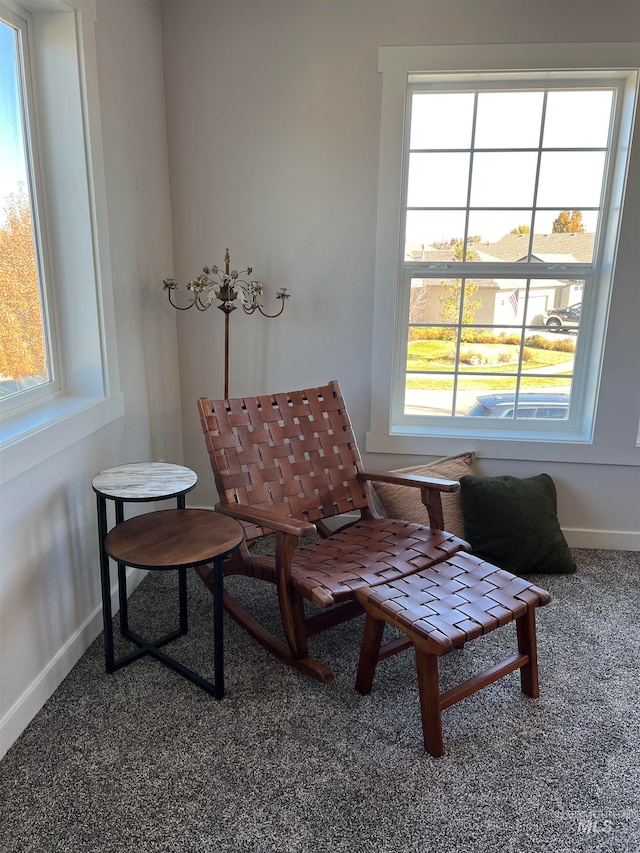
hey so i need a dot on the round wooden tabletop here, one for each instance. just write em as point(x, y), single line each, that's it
point(144, 481)
point(173, 538)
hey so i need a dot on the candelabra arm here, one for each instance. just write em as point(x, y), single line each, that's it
point(180, 307)
point(270, 316)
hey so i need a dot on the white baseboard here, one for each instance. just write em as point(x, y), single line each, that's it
point(615, 540)
point(43, 687)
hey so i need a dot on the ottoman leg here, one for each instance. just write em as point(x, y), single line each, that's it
point(369, 651)
point(429, 689)
point(526, 631)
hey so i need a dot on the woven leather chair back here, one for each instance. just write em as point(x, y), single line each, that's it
point(292, 453)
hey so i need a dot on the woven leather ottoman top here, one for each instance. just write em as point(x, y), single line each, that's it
point(453, 602)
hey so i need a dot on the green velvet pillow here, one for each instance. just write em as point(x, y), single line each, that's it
point(513, 523)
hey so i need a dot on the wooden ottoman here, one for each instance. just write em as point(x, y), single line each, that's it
point(442, 608)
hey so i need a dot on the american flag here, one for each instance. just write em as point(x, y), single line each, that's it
point(513, 301)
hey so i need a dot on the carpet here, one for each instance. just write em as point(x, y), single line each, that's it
point(144, 761)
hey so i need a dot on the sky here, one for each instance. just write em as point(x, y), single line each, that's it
point(12, 162)
point(511, 127)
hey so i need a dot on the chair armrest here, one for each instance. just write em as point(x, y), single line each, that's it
point(410, 480)
point(271, 520)
point(430, 488)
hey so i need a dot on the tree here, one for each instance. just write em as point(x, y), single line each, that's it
point(452, 293)
point(419, 302)
point(568, 222)
point(450, 301)
point(521, 229)
point(21, 335)
point(458, 246)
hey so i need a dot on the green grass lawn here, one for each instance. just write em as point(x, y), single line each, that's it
point(493, 383)
point(438, 356)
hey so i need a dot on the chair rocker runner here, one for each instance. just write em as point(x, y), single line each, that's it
point(285, 464)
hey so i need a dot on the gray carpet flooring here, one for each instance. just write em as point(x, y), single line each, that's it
point(144, 761)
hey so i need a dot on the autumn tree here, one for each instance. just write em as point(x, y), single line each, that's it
point(521, 229)
point(452, 294)
point(21, 335)
point(450, 301)
point(458, 247)
point(568, 222)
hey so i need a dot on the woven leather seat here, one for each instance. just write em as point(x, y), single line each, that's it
point(442, 608)
point(287, 463)
point(366, 554)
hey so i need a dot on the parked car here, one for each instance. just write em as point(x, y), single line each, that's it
point(564, 317)
point(549, 406)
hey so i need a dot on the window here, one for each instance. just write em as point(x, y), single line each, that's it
point(503, 205)
point(26, 357)
point(51, 127)
point(496, 177)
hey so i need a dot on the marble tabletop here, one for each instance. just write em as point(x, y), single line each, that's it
point(144, 481)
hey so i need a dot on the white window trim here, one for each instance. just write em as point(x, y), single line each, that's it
point(69, 140)
point(396, 65)
point(35, 191)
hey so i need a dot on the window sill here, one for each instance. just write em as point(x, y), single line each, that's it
point(558, 450)
point(31, 437)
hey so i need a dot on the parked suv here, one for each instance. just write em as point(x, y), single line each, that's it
point(549, 406)
point(563, 317)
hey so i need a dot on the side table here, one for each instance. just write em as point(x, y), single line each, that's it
point(135, 482)
point(177, 539)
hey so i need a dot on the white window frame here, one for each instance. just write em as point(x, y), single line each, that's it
point(35, 194)
point(391, 432)
point(66, 124)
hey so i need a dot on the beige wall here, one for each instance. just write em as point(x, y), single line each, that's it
point(274, 123)
point(50, 605)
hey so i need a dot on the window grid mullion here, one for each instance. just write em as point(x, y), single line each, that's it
point(537, 178)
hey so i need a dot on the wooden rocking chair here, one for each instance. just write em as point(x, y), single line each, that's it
point(286, 463)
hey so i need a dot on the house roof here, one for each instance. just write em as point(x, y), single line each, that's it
point(553, 259)
point(548, 248)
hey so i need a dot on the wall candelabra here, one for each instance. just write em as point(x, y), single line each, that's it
point(232, 291)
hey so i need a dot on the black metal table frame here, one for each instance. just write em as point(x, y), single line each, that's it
point(146, 647)
point(215, 689)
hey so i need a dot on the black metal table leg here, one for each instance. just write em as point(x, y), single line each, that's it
point(196, 537)
point(182, 597)
point(218, 627)
point(111, 665)
point(153, 648)
point(106, 586)
point(122, 578)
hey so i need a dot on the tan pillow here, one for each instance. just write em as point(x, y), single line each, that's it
point(404, 501)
